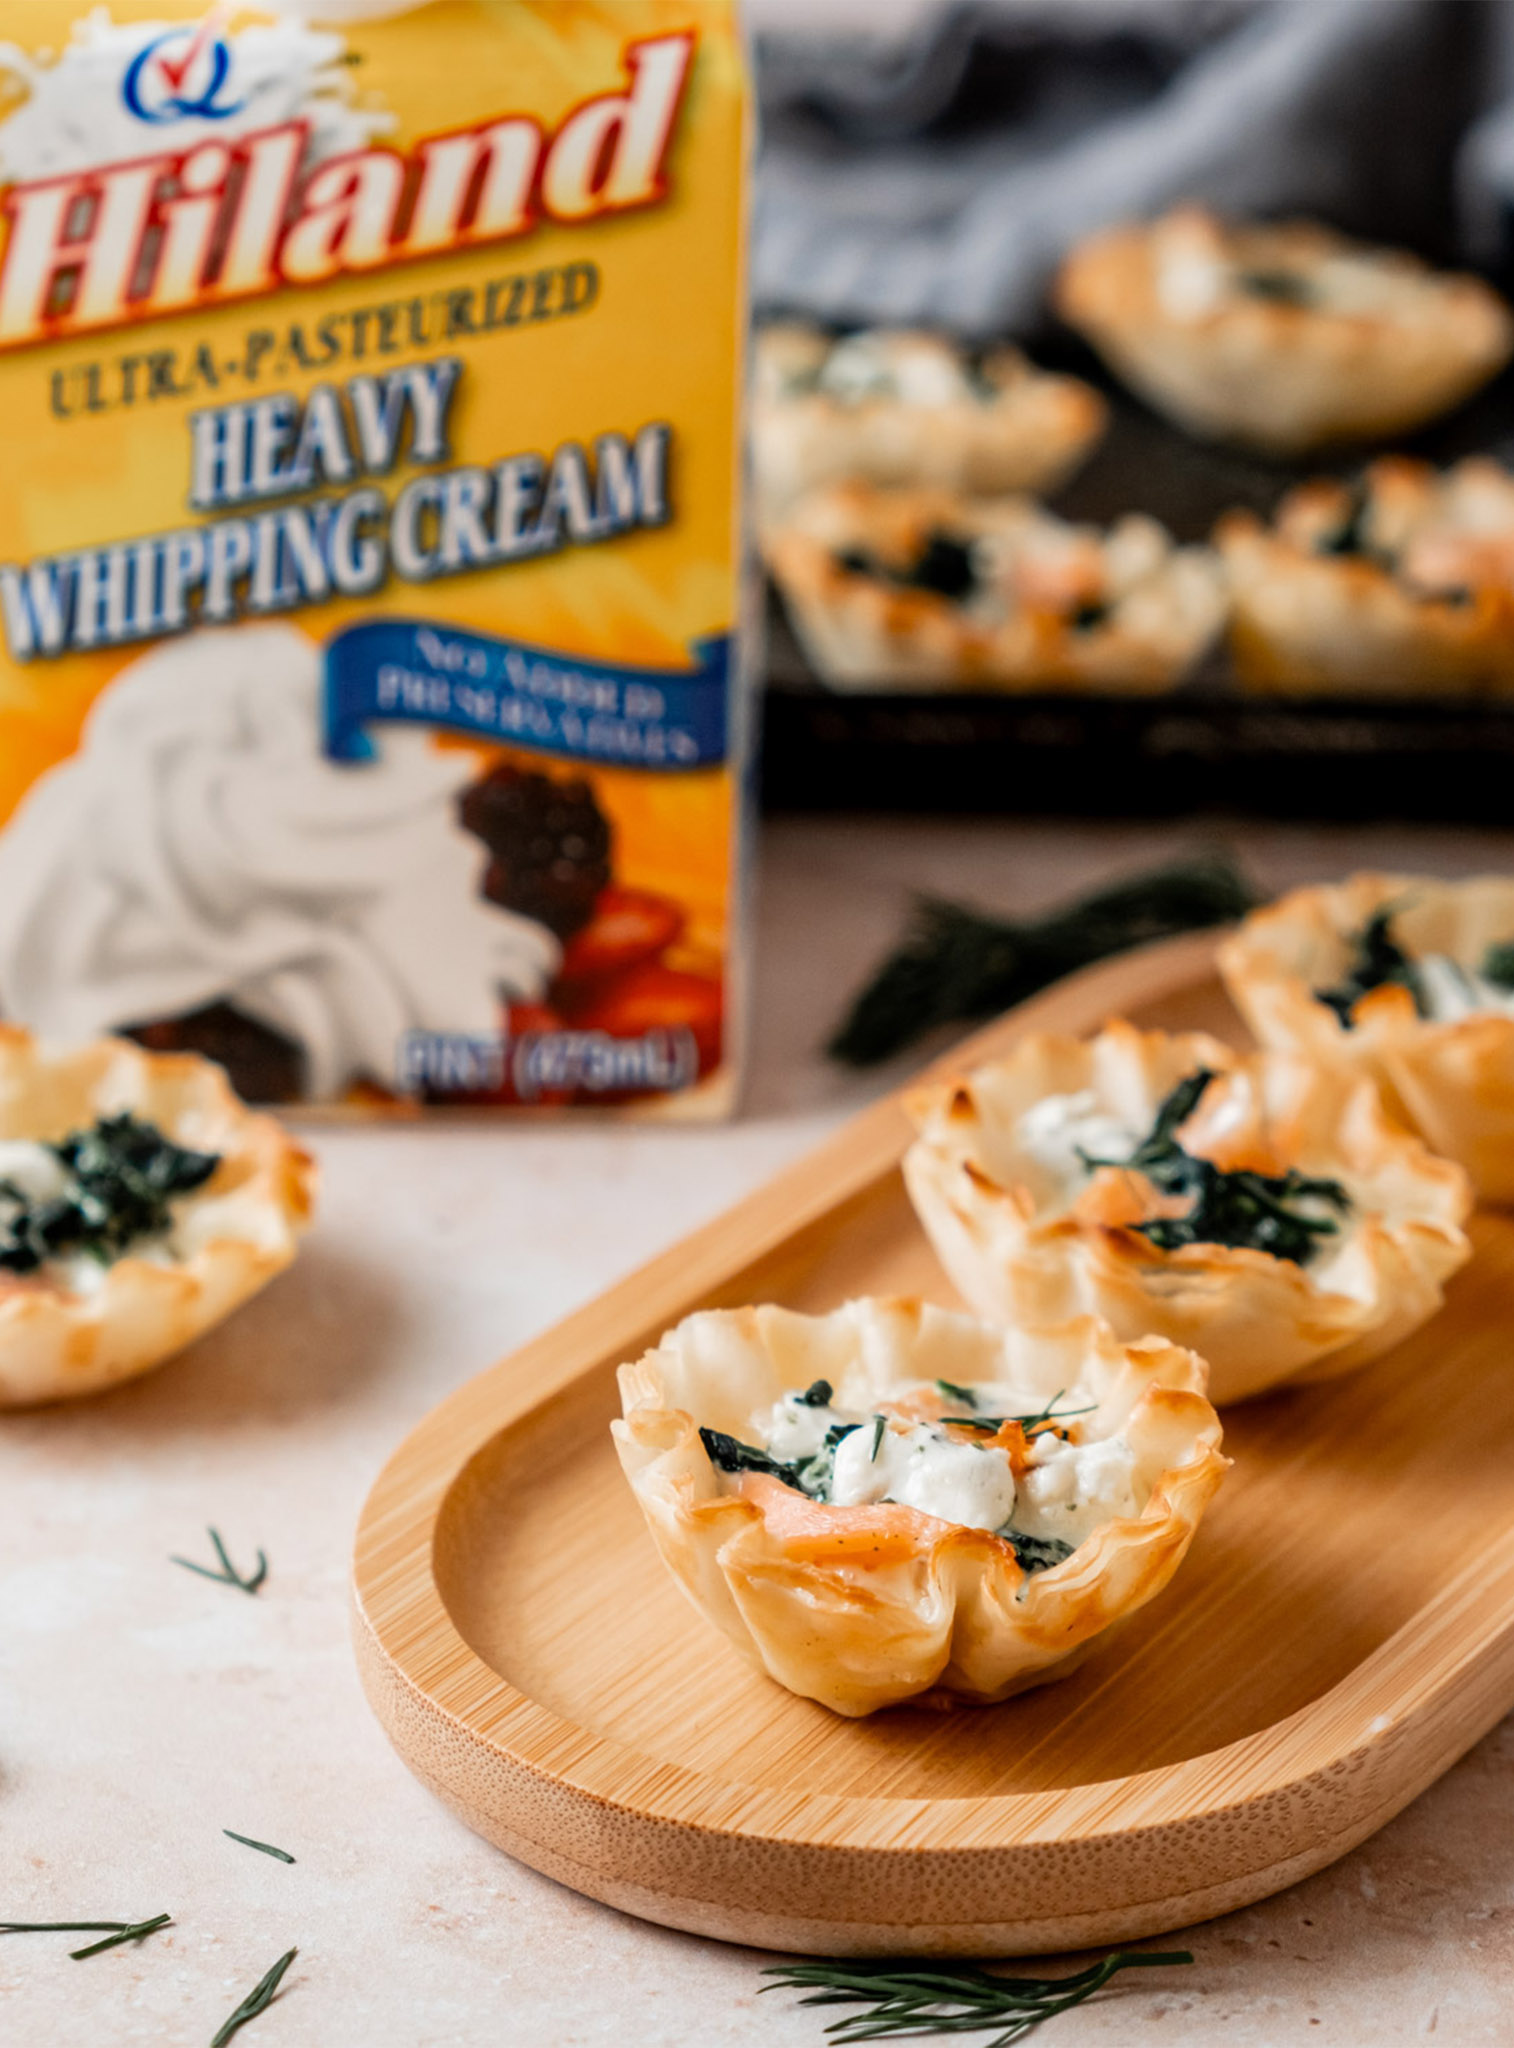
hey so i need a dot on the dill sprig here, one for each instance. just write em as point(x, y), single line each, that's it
point(258, 1999)
point(115, 1931)
point(62, 1926)
point(948, 1998)
point(267, 1848)
point(955, 963)
point(1050, 1415)
point(228, 1575)
point(143, 1927)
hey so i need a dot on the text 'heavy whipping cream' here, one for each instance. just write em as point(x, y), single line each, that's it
point(369, 562)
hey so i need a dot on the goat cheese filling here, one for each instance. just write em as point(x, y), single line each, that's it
point(982, 1461)
point(1291, 1215)
point(1444, 990)
point(1061, 1133)
point(909, 370)
point(1448, 991)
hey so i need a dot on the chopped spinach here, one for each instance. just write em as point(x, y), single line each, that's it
point(1377, 961)
point(818, 1394)
point(810, 1476)
point(731, 1455)
point(1089, 616)
point(1174, 1110)
point(123, 1175)
point(1245, 1208)
point(1350, 537)
point(1498, 963)
point(1237, 1207)
point(816, 1473)
point(944, 567)
point(1282, 287)
point(1037, 1553)
point(987, 390)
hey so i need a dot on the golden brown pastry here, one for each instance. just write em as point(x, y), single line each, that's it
point(1408, 980)
point(1261, 1209)
point(900, 406)
point(1402, 584)
point(894, 1502)
point(925, 590)
point(1284, 336)
point(140, 1202)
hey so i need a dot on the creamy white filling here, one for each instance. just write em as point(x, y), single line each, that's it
point(869, 366)
point(1450, 991)
point(37, 1174)
point(1059, 1129)
point(33, 1169)
point(1190, 282)
point(916, 1466)
point(1196, 274)
point(1068, 1490)
point(794, 1430)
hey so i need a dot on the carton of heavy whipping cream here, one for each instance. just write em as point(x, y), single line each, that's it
point(369, 546)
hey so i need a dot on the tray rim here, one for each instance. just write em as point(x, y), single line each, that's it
point(1335, 1752)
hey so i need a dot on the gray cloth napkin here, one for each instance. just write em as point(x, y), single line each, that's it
point(939, 174)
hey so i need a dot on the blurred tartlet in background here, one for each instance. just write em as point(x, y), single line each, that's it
point(1405, 979)
point(926, 589)
point(904, 406)
point(1283, 337)
point(1399, 584)
point(140, 1203)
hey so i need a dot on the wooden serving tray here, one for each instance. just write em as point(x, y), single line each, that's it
point(1342, 1631)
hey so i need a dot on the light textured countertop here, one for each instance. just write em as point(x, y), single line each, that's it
point(143, 1710)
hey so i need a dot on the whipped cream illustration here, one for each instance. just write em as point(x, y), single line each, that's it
point(198, 848)
point(84, 105)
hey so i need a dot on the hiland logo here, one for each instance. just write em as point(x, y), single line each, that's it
point(227, 217)
point(182, 73)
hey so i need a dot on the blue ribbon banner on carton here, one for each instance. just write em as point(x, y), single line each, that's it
point(426, 674)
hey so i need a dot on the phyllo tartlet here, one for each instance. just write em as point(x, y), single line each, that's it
point(1398, 584)
point(1408, 980)
point(1283, 335)
point(1262, 1209)
point(927, 590)
point(140, 1202)
point(896, 1502)
point(906, 406)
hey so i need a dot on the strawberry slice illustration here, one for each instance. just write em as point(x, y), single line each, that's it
point(653, 997)
point(628, 926)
